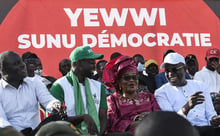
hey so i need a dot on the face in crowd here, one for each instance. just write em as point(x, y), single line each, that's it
point(13, 68)
point(152, 70)
point(212, 63)
point(65, 66)
point(87, 67)
point(175, 74)
point(139, 59)
point(129, 82)
point(34, 66)
point(192, 66)
point(100, 67)
point(38, 67)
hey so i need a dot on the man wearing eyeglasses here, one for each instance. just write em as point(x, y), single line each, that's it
point(188, 98)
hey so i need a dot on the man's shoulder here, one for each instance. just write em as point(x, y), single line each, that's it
point(61, 80)
point(204, 70)
point(163, 88)
point(94, 81)
point(200, 74)
point(195, 83)
point(60, 84)
point(32, 80)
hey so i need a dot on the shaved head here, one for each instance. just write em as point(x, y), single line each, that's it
point(163, 123)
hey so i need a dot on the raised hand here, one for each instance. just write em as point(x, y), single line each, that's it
point(194, 99)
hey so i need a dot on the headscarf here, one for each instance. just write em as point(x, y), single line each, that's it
point(116, 68)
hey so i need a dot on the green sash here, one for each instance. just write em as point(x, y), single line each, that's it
point(79, 105)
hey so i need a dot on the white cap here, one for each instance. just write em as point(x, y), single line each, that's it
point(172, 58)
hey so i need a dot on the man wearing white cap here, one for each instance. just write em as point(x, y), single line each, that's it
point(188, 98)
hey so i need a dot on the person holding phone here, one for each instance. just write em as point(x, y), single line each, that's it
point(189, 98)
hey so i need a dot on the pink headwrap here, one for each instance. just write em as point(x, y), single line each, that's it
point(116, 68)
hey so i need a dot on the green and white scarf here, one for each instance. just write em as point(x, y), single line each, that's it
point(79, 105)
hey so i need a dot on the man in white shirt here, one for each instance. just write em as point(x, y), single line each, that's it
point(210, 74)
point(188, 98)
point(20, 96)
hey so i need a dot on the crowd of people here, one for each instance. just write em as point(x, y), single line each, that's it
point(126, 96)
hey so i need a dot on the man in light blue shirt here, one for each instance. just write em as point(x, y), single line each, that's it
point(20, 96)
point(189, 98)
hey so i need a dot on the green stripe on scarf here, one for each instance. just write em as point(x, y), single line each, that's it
point(79, 105)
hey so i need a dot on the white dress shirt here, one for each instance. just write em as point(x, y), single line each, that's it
point(172, 98)
point(211, 78)
point(19, 108)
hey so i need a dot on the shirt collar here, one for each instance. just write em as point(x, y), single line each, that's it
point(5, 83)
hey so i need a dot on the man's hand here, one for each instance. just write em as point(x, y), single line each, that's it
point(92, 128)
point(215, 121)
point(195, 99)
point(218, 68)
point(56, 107)
point(216, 65)
point(216, 104)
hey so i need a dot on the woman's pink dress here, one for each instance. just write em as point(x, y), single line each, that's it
point(121, 110)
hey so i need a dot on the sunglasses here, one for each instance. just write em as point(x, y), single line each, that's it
point(128, 78)
point(174, 69)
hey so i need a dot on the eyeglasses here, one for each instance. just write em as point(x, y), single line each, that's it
point(30, 60)
point(174, 69)
point(128, 78)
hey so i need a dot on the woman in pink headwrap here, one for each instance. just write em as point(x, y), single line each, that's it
point(126, 107)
